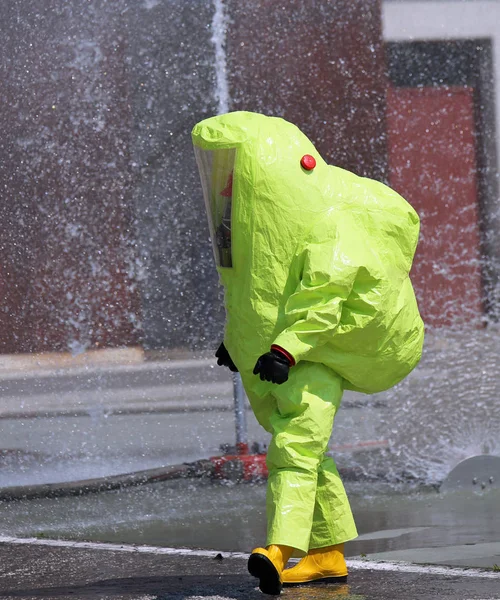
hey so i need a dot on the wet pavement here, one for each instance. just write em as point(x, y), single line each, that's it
point(61, 424)
point(31, 569)
point(94, 422)
point(456, 528)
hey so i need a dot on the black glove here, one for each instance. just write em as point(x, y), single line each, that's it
point(273, 366)
point(224, 360)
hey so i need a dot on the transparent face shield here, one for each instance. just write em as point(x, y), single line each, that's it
point(216, 171)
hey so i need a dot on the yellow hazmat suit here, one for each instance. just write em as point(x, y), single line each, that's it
point(315, 261)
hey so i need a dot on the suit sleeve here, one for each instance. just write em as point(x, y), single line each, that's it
point(313, 312)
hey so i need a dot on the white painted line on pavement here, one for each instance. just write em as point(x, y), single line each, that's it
point(404, 567)
point(217, 394)
point(162, 365)
point(118, 547)
point(353, 564)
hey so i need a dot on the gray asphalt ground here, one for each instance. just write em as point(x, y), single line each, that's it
point(99, 420)
point(35, 570)
point(57, 425)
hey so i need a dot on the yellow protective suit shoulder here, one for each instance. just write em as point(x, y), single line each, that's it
point(320, 258)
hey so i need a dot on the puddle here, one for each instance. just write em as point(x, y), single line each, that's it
point(200, 514)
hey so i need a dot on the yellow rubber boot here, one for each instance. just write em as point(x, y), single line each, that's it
point(267, 565)
point(321, 565)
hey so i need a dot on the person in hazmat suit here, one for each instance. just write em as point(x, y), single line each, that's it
point(314, 261)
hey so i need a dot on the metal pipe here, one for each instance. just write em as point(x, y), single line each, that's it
point(240, 415)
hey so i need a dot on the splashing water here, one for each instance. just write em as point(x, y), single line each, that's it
point(447, 410)
point(219, 26)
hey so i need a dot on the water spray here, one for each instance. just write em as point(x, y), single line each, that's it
point(219, 28)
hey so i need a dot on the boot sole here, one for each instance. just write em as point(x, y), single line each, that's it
point(269, 579)
point(342, 579)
